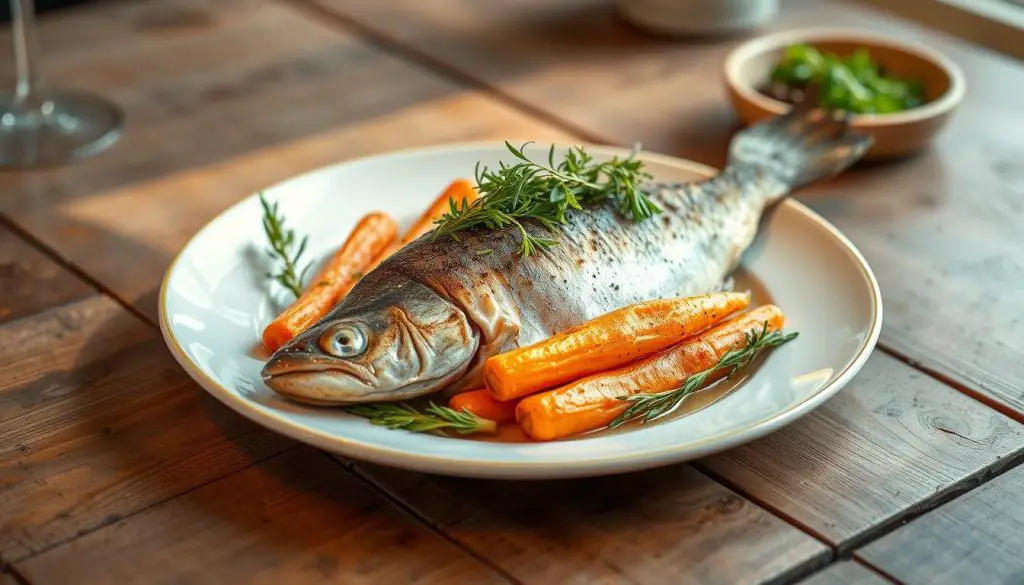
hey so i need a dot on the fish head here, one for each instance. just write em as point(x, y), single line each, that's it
point(382, 343)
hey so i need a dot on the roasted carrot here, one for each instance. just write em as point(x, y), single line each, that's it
point(372, 234)
point(394, 247)
point(481, 403)
point(459, 191)
point(595, 401)
point(609, 341)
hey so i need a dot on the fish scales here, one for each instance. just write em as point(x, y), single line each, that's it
point(429, 316)
point(601, 262)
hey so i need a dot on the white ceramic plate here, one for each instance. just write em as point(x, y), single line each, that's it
point(215, 301)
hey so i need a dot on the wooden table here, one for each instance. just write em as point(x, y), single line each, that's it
point(116, 468)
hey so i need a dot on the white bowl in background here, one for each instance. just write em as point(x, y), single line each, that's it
point(698, 17)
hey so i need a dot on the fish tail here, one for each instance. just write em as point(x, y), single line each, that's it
point(805, 145)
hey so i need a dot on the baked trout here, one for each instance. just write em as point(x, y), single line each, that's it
point(428, 317)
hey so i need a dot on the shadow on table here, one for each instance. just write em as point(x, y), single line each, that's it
point(670, 521)
point(206, 111)
point(157, 442)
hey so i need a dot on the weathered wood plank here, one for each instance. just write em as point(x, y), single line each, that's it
point(890, 443)
point(297, 518)
point(942, 231)
point(97, 422)
point(94, 232)
point(668, 525)
point(204, 81)
point(30, 282)
point(846, 573)
point(305, 97)
point(977, 538)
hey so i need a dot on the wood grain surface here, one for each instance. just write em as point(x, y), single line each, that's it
point(942, 231)
point(166, 212)
point(890, 443)
point(339, 99)
point(30, 282)
point(668, 525)
point(297, 518)
point(201, 82)
point(846, 573)
point(97, 422)
point(116, 468)
point(977, 538)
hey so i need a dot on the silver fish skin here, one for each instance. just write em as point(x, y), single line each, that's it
point(427, 318)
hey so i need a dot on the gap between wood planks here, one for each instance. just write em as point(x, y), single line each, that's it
point(838, 553)
point(954, 384)
point(881, 574)
point(411, 54)
point(65, 263)
point(71, 267)
point(845, 551)
point(401, 504)
point(13, 573)
point(878, 571)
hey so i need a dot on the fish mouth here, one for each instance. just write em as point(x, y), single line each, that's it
point(313, 380)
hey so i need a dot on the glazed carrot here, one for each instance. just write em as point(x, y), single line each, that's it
point(481, 403)
point(459, 191)
point(609, 341)
point(595, 401)
point(371, 235)
point(394, 247)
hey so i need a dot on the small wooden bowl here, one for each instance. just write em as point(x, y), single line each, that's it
point(749, 66)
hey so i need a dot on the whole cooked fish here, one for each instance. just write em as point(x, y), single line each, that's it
point(428, 317)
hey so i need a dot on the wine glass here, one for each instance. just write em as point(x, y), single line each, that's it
point(40, 127)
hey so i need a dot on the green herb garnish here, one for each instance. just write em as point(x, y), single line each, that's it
point(855, 84)
point(403, 416)
point(281, 241)
point(529, 190)
point(647, 407)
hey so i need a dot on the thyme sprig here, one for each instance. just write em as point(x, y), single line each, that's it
point(647, 407)
point(402, 416)
point(281, 241)
point(546, 193)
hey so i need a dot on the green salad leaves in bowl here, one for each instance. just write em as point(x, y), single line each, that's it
point(901, 94)
point(856, 83)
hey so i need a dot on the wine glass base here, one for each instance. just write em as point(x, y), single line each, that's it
point(67, 126)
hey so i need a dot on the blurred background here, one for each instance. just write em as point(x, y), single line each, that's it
point(41, 6)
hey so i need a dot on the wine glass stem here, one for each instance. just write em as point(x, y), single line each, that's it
point(23, 22)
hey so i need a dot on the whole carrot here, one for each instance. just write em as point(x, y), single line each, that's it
point(609, 341)
point(481, 403)
point(459, 192)
point(595, 401)
point(372, 234)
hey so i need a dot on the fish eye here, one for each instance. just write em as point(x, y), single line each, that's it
point(344, 340)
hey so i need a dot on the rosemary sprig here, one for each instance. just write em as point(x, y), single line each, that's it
point(530, 190)
point(281, 241)
point(647, 407)
point(403, 416)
